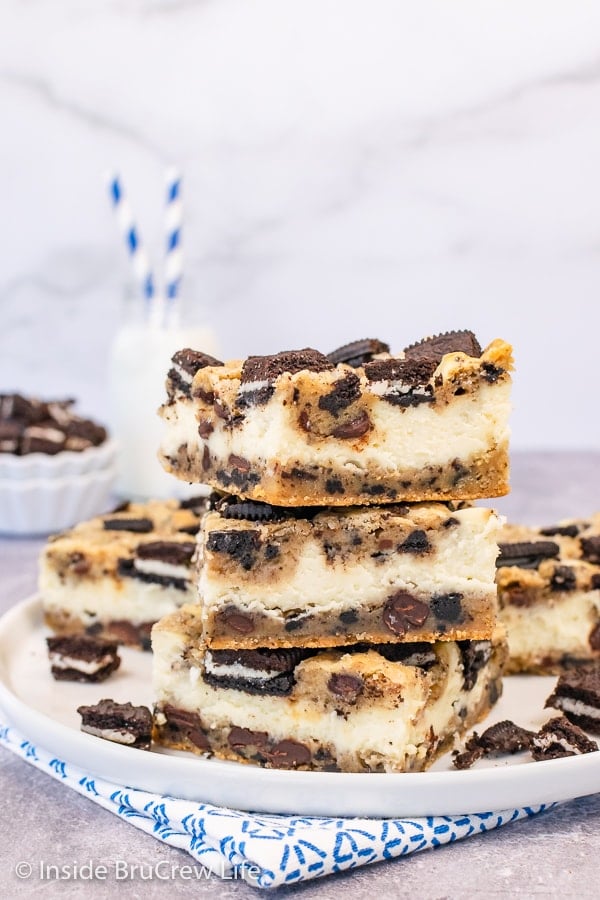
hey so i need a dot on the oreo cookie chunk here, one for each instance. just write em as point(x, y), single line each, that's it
point(358, 353)
point(81, 658)
point(184, 365)
point(160, 562)
point(122, 723)
point(500, 739)
point(436, 347)
point(254, 671)
point(526, 554)
point(559, 737)
point(259, 373)
point(577, 695)
point(402, 382)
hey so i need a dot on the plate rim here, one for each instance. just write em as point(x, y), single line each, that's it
point(265, 790)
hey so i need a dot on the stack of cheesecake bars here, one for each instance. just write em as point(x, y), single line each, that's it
point(346, 610)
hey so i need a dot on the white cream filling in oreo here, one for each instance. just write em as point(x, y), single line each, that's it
point(110, 734)
point(576, 707)
point(547, 741)
point(58, 661)
point(163, 569)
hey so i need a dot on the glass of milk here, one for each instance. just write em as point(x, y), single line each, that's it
point(139, 361)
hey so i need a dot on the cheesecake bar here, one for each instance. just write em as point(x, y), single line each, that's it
point(274, 577)
point(356, 427)
point(549, 594)
point(116, 575)
point(121, 723)
point(379, 708)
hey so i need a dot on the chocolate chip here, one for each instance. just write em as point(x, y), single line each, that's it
point(240, 738)
point(438, 346)
point(451, 522)
point(138, 526)
point(590, 548)
point(174, 553)
point(243, 546)
point(526, 554)
point(188, 723)
point(402, 612)
point(268, 368)
point(491, 373)
point(348, 617)
point(343, 393)
point(358, 353)
point(356, 428)
point(563, 579)
point(564, 530)
point(234, 620)
point(595, 582)
point(416, 542)
point(286, 754)
point(447, 607)
point(206, 458)
point(348, 687)
point(79, 564)
point(239, 462)
point(205, 428)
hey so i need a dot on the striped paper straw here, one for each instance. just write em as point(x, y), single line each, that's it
point(137, 253)
point(173, 254)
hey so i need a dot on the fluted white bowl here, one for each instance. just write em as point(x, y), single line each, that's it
point(40, 506)
point(67, 463)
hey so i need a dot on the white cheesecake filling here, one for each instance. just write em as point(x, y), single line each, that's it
point(109, 599)
point(72, 662)
point(401, 439)
point(163, 569)
point(560, 626)
point(462, 560)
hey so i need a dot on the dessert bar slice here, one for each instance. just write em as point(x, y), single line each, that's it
point(359, 426)
point(117, 574)
point(77, 657)
point(549, 594)
point(328, 577)
point(122, 723)
point(387, 708)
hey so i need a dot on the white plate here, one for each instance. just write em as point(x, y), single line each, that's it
point(45, 711)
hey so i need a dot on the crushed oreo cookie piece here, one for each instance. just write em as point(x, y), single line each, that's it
point(242, 546)
point(590, 549)
point(563, 579)
point(122, 723)
point(562, 530)
point(175, 553)
point(82, 658)
point(358, 353)
point(130, 568)
point(343, 393)
point(406, 381)
point(526, 554)
point(250, 510)
point(185, 364)
point(438, 346)
point(417, 653)
point(558, 738)
point(257, 369)
point(29, 425)
point(447, 607)
point(415, 542)
point(475, 655)
point(577, 695)
point(137, 526)
point(503, 738)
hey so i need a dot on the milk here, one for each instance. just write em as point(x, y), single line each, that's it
point(139, 362)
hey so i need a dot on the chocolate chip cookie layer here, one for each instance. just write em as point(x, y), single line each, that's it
point(357, 709)
point(329, 577)
point(356, 427)
point(116, 575)
point(549, 594)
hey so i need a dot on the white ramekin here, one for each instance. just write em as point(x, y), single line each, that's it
point(39, 506)
point(65, 464)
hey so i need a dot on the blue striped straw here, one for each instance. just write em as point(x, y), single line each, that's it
point(173, 254)
point(137, 253)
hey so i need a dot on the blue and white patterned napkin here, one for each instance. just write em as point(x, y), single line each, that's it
point(266, 850)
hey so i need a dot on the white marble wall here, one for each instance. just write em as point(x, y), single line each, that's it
point(352, 168)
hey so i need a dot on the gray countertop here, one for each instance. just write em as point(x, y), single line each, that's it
point(555, 854)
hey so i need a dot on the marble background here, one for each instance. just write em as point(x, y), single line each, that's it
point(351, 168)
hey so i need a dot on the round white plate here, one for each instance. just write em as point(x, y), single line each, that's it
point(45, 711)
